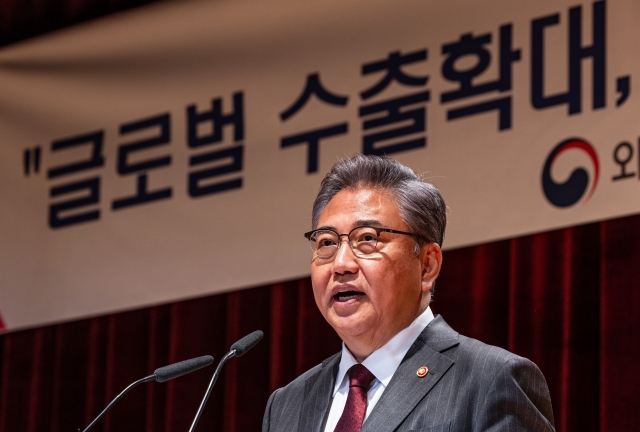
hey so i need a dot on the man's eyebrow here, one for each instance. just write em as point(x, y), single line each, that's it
point(367, 222)
point(358, 223)
point(327, 227)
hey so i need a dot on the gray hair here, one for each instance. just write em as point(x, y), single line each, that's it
point(420, 204)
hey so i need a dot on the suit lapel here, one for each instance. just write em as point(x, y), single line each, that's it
point(317, 395)
point(406, 389)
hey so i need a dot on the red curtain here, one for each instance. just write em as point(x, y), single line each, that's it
point(567, 299)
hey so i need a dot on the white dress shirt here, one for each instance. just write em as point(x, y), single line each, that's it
point(382, 363)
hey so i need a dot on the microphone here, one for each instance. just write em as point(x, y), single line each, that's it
point(175, 370)
point(162, 374)
point(246, 343)
point(237, 349)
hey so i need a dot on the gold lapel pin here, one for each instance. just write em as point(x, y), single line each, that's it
point(422, 371)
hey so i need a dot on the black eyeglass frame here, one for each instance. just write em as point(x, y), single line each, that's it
point(378, 230)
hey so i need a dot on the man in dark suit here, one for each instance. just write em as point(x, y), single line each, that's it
point(401, 368)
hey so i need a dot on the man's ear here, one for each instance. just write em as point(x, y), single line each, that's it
point(431, 261)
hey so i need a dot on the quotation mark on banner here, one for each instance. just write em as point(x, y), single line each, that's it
point(31, 160)
point(571, 191)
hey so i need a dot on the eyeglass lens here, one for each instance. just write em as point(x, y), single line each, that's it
point(363, 241)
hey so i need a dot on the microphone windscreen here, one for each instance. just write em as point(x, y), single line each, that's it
point(246, 343)
point(175, 370)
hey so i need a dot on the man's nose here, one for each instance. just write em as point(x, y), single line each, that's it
point(344, 259)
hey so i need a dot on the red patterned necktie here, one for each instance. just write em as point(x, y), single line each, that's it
point(353, 415)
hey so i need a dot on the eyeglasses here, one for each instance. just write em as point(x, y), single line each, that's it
point(363, 240)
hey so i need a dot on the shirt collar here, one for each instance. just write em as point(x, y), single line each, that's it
point(384, 361)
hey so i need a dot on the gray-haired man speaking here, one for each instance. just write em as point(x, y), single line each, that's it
point(377, 232)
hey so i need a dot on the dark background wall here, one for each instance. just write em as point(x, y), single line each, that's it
point(23, 19)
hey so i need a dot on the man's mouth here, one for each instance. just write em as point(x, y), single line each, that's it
point(344, 296)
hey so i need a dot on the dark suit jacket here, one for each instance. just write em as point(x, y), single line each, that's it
point(470, 386)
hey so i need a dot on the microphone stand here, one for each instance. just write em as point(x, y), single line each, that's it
point(162, 374)
point(230, 354)
point(140, 381)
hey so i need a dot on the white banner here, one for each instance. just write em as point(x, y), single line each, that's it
point(175, 150)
